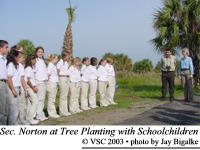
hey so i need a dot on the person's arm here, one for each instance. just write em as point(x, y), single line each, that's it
point(49, 71)
point(23, 82)
point(11, 86)
point(9, 77)
point(58, 66)
point(161, 64)
point(99, 72)
point(191, 68)
point(34, 88)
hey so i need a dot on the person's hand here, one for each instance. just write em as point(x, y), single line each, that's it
point(26, 94)
point(191, 76)
point(179, 77)
point(14, 93)
point(35, 89)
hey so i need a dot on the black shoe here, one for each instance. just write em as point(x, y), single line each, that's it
point(171, 99)
point(163, 98)
point(186, 100)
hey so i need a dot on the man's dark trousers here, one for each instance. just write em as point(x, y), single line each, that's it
point(168, 79)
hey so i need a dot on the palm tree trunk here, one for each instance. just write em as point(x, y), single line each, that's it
point(68, 41)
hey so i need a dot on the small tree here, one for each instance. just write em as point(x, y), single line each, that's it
point(158, 67)
point(28, 46)
point(143, 66)
point(122, 62)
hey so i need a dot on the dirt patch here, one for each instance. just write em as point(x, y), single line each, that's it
point(105, 116)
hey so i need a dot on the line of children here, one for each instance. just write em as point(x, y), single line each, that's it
point(30, 80)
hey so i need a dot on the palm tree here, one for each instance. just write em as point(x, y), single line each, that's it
point(28, 46)
point(177, 25)
point(68, 39)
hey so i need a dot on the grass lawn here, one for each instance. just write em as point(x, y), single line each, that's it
point(136, 94)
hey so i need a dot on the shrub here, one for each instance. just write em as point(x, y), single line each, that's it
point(143, 66)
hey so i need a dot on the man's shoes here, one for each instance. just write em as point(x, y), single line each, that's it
point(171, 99)
point(163, 98)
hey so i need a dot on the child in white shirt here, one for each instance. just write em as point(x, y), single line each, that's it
point(52, 85)
point(32, 89)
point(4, 102)
point(75, 79)
point(103, 81)
point(41, 80)
point(24, 93)
point(110, 92)
point(93, 82)
point(64, 83)
point(14, 87)
point(85, 83)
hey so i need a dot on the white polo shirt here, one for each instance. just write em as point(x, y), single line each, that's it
point(29, 73)
point(110, 69)
point(85, 73)
point(40, 70)
point(92, 72)
point(74, 74)
point(102, 74)
point(52, 71)
point(21, 70)
point(63, 67)
point(3, 70)
point(15, 74)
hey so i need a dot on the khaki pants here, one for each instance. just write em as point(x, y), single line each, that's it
point(102, 92)
point(74, 102)
point(23, 108)
point(84, 94)
point(41, 85)
point(4, 103)
point(52, 88)
point(14, 107)
point(32, 104)
point(110, 92)
point(187, 84)
point(64, 91)
point(92, 93)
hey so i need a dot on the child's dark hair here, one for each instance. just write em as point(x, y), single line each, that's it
point(85, 59)
point(93, 60)
point(28, 61)
point(3, 43)
point(17, 47)
point(12, 57)
point(102, 60)
point(37, 49)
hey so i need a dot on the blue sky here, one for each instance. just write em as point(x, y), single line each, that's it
point(101, 26)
